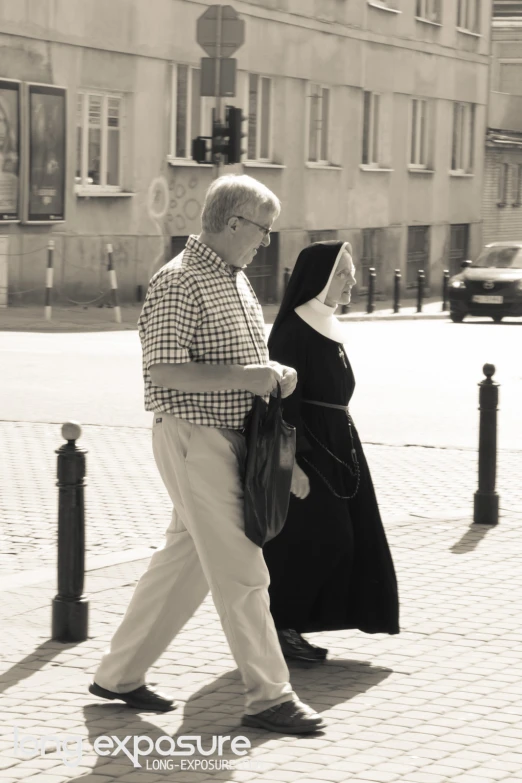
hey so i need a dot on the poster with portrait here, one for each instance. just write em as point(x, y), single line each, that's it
point(9, 150)
point(46, 167)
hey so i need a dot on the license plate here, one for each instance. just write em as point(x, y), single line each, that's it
point(482, 299)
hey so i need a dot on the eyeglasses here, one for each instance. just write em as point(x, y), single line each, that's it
point(266, 231)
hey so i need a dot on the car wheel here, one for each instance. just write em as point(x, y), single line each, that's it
point(497, 318)
point(457, 318)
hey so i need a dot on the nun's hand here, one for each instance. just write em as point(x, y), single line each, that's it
point(300, 483)
point(288, 378)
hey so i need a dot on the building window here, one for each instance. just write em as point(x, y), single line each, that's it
point(510, 78)
point(419, 134)
point(259, 118)
point(99, 140)
point(517, 185)
point(463, 137)
point(418, 254)
point(370, 140)
point(468, 15)
point(502, 184)
point(370, 257)
point(429, 10)
point(318, 124)
point(186, 110)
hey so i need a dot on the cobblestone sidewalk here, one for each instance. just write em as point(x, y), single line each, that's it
point(127, 506)
point(440, 702)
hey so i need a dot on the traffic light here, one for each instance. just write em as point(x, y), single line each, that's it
point(225, 140)
point(233, 123)
point(219, 139)
point(199, 150)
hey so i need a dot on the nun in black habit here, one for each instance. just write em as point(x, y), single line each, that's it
point(330, 567)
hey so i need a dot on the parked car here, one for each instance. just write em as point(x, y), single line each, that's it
point(491, 285)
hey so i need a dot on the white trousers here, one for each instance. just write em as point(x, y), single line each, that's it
point(205, 546)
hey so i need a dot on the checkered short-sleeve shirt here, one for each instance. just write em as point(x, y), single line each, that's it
point(199, 309)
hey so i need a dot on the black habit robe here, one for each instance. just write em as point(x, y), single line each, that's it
point(330, 567)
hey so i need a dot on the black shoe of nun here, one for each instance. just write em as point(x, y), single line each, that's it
point(296, 648)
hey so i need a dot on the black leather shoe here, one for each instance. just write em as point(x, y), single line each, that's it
point(296, 648)
point(142, 698)
point(290, 717)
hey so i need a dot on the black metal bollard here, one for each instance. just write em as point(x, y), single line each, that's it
point(287, 274)
point(70, 607)
point(485, 506)
point(445, 282)
point(396, 291)
point(371, 290)
point(420, 289)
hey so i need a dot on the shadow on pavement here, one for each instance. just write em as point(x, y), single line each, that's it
point(322, 687)
point(471, 539)
point(36, 660)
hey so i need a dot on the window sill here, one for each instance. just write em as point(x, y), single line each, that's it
point(187, 162)
point(468, 32)
point(310, 164)
point(427, 21)
point(461, 174)
point(91, 193)
point(384, 7)
point(379, 169)
point(262, 164)
point(415, 170)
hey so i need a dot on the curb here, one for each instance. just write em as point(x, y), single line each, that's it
point(394, 317)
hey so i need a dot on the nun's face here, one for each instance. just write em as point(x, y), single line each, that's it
point(340, 290)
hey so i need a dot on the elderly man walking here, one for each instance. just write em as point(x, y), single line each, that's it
point(204, 359)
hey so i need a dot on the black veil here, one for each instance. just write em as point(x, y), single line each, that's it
point(310, 275)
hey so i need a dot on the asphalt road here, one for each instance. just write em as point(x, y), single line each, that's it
point(416, 381)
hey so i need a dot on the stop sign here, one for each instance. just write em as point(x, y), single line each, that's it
point(232, 31)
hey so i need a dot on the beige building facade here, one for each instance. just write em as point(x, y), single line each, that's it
point(367, 118)
point(502, 202)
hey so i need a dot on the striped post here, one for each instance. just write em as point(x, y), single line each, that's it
point(49, 281)
point(114, 285)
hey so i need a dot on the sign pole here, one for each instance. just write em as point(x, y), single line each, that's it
point(219, 36)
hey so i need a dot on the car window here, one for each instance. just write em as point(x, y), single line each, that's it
point(500, 257)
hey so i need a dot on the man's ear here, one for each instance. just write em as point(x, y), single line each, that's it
point(233, 223)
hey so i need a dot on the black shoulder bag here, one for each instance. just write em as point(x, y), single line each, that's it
point(269, 467)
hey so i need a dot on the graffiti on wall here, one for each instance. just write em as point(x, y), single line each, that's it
point(185, 205)
point(174, 207)
point(157, 206)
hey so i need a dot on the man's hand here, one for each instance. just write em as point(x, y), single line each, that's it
point(300, 483)
point(289, 378)
point(262, 379)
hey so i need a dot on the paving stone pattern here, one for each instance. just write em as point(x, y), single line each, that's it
point(128, 507)
point(439, 702)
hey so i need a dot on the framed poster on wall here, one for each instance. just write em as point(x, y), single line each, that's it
point(46, 131)
point(9, 150)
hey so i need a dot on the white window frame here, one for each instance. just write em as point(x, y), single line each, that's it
point(190, 133)
point(259, 118)
point(419, 137)
point(374, 130)
point(465, 120)
point(321, 161)
point(81, 182)
point(429, 11)
point(385, 5)
point(468, 15)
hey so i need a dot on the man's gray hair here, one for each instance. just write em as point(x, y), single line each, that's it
point(236, 194)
